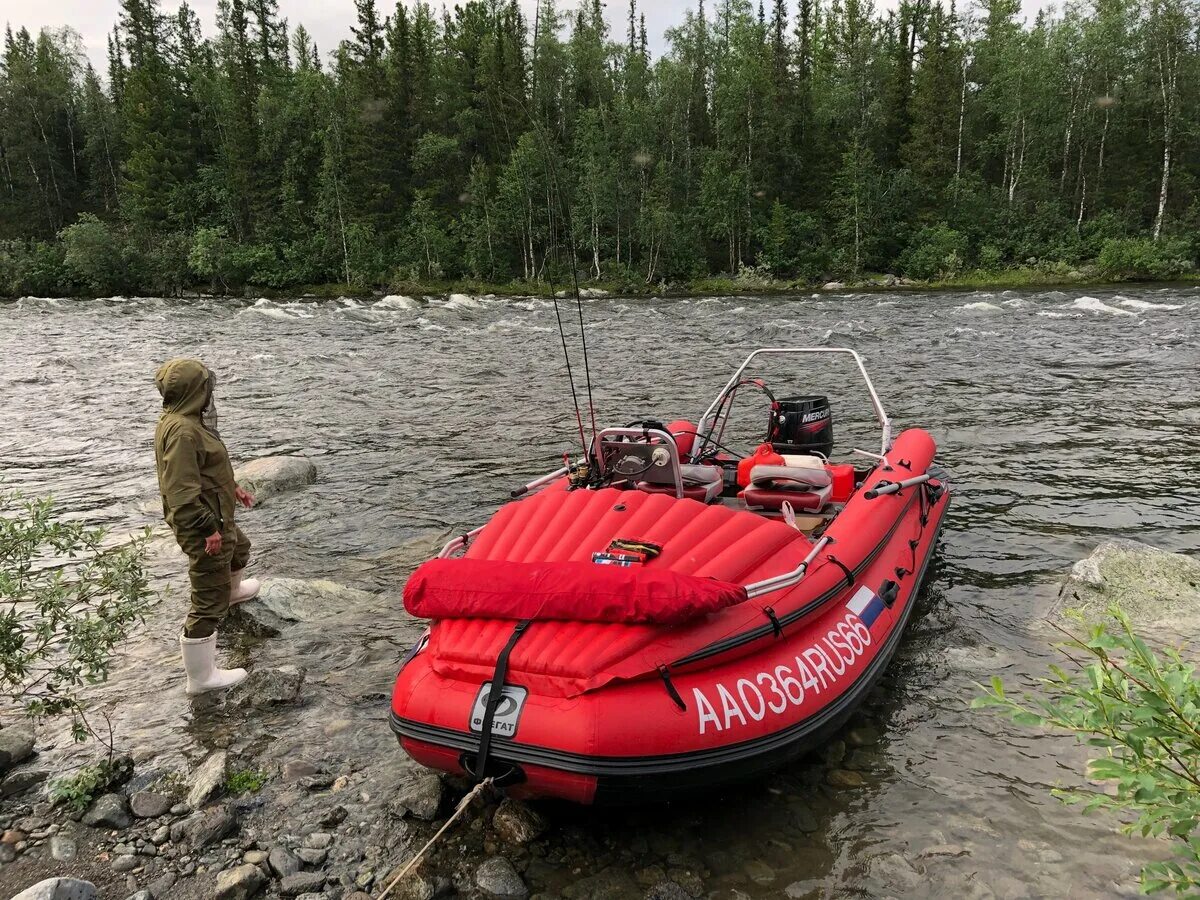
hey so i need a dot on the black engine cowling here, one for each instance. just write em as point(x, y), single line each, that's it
point(802, 425)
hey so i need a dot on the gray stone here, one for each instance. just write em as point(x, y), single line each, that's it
point(16, 745)
point(59, 889)
point(208, 779)
point(63, 848)
point(272, 475)
point(255, 857)
point(318, 840)
point(295, 769)
point(267, 687)
point(8, 853)
point(125, 863)
point(301, 883)
point(141, 895)
point(240, 883)
point(282, 862)
point(845, 778)
point(108, 811)
point(413, 886)
point(161, 835)
point(160, 887)
point(150, 805)
point(834, 286)
point(862, 736)
point(419, 796)
point(1154, 587)
point(208, 828)
point(19, 782)
point(496, 877)
point(517, 823)
point(312, 856)
point(284, 601)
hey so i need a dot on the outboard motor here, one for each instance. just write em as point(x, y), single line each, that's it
point(801, 425)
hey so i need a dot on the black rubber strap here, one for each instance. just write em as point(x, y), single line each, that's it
point(845, 571)
point(493, 700)
point(769, 611)
point(665, 674)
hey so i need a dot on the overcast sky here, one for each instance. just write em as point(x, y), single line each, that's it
point(327, 20)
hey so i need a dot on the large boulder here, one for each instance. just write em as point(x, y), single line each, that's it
point(16, 745)
point(283, 601)
point(208, 780)
point(267, 687)
point(1156, 588)
point(59, 889)
point(273, 475)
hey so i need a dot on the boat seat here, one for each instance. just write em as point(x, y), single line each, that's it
point(804, 487)
point(702, 483)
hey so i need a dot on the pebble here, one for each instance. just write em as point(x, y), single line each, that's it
point(63, 848)
point(255, 857)
point(161, 835)
point(334, 817)
point(12, 836)
point(759, 872)
point(318, 840)
point(149, 805)
point(312, 856)
point(240, 883)
point(108, 811)
point(8, 853)
point(497, 878)
point(845, 778)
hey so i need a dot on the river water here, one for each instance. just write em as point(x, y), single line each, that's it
point(1064, 417)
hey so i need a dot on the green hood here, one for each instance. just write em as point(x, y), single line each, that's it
point(184, 385)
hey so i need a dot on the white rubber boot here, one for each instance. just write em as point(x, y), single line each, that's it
point(242, 589)
point(199, 662)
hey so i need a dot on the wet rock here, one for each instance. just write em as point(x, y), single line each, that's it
point(1154, 587)
point(834, 752)
point(272, 475)
point(862, 736)
point(301, 883)
point(845, 778)
point(63, 848)
point(834, 286)
point(283, 863)
point(894, 870)
point(149, 805)
point(517, 823)
point(613, 883)
point(205, 829)
point(496, 877)
point(802, 817)
point(295, 769)
point(283, 601)
point(413, 886)
point(108, 811)
point(668, 890)
point(59, 889)
point(15, 783)
point(16, 746)
point(420, 797)
point(208, 779)
point(240, 883)
point(267, 687)
point(759, 872)
point(944, 850)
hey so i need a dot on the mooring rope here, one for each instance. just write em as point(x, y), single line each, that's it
point(459, 810)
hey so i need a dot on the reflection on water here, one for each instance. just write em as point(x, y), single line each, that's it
point(1065, 417)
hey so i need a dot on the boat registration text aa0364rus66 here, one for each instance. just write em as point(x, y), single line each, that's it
point(811, 671)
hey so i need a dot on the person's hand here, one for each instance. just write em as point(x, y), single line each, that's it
point(244, 497)
point(212, 544)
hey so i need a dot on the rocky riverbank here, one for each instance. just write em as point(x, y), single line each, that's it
point(299, 791)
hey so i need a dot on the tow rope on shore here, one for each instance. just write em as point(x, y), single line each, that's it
point(458, 811)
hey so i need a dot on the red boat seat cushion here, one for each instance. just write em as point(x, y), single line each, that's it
point(569, 591)
point(702, 483)
point(771, 498)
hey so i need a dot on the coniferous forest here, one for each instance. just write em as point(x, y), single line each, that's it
point(826, 140)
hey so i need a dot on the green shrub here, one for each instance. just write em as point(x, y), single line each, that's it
point(934, 252)
point(1140, 710)
point(1142, 258)
point(66, 602)
point(94, 255)
point(89, 782)
point(991, 258)
point(245, 781)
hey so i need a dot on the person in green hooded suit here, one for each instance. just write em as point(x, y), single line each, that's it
point(199, 494)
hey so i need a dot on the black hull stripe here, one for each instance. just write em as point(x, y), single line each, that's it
point(725, 644)
point(624, 766)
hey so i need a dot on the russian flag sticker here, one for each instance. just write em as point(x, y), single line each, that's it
point(866, 604)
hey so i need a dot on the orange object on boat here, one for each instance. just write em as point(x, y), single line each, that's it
point(765, 455)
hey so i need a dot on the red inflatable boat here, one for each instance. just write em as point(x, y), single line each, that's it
point(663, 616)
